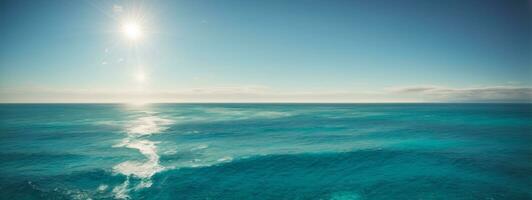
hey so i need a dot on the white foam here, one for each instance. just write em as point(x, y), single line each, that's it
point(200, 147)
point(144, 170)
point(138, 169)
point(102, 187)
point(121, 191)
point(144, 183)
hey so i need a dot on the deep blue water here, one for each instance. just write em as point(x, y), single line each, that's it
point(266, 151)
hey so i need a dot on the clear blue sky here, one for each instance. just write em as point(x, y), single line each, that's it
point(310, 50)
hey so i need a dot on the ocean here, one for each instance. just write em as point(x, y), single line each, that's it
point(266, 151)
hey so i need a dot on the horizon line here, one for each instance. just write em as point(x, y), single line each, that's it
point(273, 102)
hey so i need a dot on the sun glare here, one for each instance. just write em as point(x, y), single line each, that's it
point(140, 76)
point(132, 30)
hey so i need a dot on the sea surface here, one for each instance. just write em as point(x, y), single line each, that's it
point(266, 151)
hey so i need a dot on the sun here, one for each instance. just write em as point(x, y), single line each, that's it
point(132, 30)
point(140, 76)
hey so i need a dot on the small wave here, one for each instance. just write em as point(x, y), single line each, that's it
point(111, 123)
point(170, 152)
point(345, 196)
point(272, 114)
point(240, 114)
point(148, 125)
point(200, 147)
point(192, 132)
point(225, 159)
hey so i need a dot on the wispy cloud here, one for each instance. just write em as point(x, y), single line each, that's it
point(258, 93)
point(472, 94)
point(250, 93)
point(117, 8)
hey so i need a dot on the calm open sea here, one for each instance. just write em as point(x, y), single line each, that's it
point(266, 151)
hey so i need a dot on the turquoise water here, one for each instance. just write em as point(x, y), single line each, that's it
point(266, 151)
